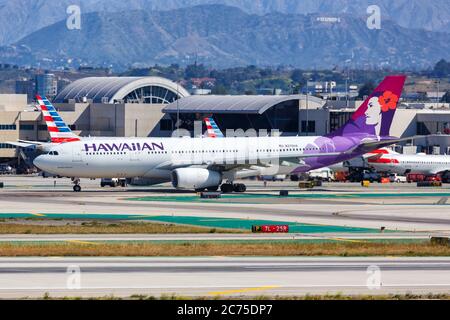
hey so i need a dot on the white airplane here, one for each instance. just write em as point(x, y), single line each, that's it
point(387, 160)
point(204, 163)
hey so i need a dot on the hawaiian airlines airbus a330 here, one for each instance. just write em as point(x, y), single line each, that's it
point(204, 163)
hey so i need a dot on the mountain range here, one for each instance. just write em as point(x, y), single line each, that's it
point(20, 18)
point(226, 36)
point(223, 36)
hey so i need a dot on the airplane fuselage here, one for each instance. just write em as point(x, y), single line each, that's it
point(157, 157)
point(419, 164)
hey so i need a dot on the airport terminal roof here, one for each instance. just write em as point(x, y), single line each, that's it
point(231, 104)
point(112, 89)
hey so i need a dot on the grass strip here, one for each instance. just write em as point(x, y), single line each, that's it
point(338, 296)
point(220, 249)
point(108, 228)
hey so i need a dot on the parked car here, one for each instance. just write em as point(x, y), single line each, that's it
point(393, 177)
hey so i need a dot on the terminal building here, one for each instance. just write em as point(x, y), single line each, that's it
point(151, 106)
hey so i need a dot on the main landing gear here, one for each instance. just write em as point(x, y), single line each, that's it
point(230, 187)
point(76, 182)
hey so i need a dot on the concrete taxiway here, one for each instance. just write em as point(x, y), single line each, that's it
point(221, 276)
point(401, 207)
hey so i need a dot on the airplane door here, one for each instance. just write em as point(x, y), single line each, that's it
point(77, 155)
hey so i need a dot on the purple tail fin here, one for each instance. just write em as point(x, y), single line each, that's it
point(374, 117)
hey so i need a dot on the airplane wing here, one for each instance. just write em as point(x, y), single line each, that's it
point(30, 144)
point(21, 144)
point(370, 145)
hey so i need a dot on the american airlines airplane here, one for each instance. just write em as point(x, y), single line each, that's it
point(387, 160)
point(59, 131)
point(204, 163)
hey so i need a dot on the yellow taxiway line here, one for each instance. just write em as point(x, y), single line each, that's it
point(219, 293)
point(81, 242)
point(38, 214)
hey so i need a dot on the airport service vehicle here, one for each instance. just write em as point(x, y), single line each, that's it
point(393, 177)
point(204, 163)
point(419, 177)
point(6, 169)
point(403, 164)
point(364, 175)
point(323, 174)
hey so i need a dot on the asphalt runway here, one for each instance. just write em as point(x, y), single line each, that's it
point(210, 237)
point(221, 276)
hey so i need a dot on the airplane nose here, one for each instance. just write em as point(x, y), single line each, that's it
point(39, 162)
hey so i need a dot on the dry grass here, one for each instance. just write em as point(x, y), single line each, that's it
point(106, 228)
point(408, 296)
point(221, 249)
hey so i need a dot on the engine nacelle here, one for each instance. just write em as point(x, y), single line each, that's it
point(195, 178)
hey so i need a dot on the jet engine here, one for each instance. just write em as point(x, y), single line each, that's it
point(195, 178)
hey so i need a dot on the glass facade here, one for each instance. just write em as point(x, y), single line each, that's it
point(338, 119)
point(151, 95)
point(46, 85)
point(283, 117)
point(309, 127)
point(433, 127)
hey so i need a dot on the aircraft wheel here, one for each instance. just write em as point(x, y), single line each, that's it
point(76, 188)
point(226, 188)
point(239, 188)
point(213, 189)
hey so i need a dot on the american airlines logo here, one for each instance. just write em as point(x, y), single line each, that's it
point(106, 147)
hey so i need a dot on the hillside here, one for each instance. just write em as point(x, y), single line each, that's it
point(225, 36)
point(20, 18)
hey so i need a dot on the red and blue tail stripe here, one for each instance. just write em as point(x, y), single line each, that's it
point(213, 128)
point(59, 131)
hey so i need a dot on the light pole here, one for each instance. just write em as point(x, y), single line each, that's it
point(178, 108)
point(307, 105)
point(438, 82)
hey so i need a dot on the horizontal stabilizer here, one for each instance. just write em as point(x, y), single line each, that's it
point(368, 146)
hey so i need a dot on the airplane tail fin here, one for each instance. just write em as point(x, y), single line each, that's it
point(213, 128)
point(374, 117)
point(57, 128)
